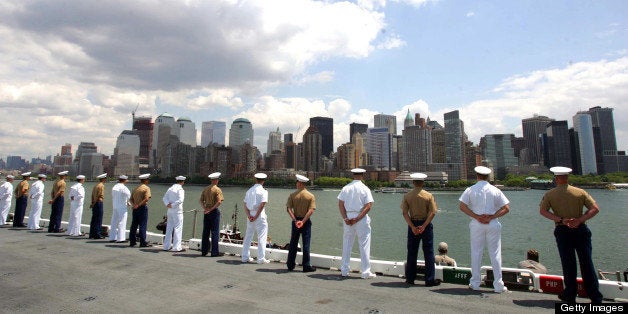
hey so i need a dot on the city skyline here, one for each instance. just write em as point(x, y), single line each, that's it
point(76, 72)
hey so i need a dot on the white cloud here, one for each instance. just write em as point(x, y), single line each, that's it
point(391, 42)
point(320, 77)
point(470, 14)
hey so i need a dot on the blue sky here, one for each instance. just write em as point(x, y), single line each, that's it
point(74, 71)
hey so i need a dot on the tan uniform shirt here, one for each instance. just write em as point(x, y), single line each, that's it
point(98, 193)
point(419, 204)
point(139, 194)
point(22, 189)
point(210, 196)
point(58, 186)
point(301, 201)
point(567, 201)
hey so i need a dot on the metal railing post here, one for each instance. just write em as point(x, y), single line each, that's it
point(194, 225)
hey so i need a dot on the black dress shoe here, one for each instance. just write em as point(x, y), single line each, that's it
point(432, 283)
point(310, 269)
point(217, 255)
point(408, 282)
point(112, 241)
point(146, 245)
point(565, 299)
point(121, 241)
point(132, 244)
point(203, 253)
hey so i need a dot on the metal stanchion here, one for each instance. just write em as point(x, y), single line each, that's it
point(194, 225)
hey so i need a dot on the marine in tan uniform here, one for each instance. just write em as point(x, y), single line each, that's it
point(210, 200)
point(419, 208)
point(98, 196)
point(564, 205)
point(21, 201)
point(57, 200)
point(139, 202)
point(300, 206)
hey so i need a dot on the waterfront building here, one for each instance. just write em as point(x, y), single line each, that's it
point(163, 129)
point(532, 129)
point(433, 124)
point(454, 146)
point(417, 148)
point(16, 163)
point(276, 160)
point(312, 150)
point(379, 148)
point(438, 146)
point(213, 132)
point(557, 145)
point(186, 131)
point(287, 138)
point(473, 158)
point(604, 138)
point(346, 156)
point(357, 128)
point(143, 126)
point(63, 162)
point(274, 142)
point(385, 121)
point(291, 155)
point(181, 159)
point(585, 145)
point(325, 127)
point(84, 168)
point(397, 152)
point(498, 152)
point(241, 132)
point(91, 164)
point(126, 154)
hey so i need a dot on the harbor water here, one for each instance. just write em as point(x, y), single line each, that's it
point(523, 228)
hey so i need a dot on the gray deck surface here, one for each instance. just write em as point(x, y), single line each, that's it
point(41, 272)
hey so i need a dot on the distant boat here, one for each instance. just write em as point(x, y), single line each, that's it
point(392, 190)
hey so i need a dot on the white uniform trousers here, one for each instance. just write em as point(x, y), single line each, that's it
point(5, 208)
point(74, 223)
point(118, 224)
point(361, 229)
point(491, 235)
point(174, 230)
point(35, 213)
point(260, 225)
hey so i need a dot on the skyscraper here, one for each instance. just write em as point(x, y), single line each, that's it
point(417, 148)
point(128, 147)
point(186, 131)
point(325, 127)
point(357, 128)
point(454, 146)
point(163, 128)
point(498, 152)
point(241, 131)
point(408, 121)
point(386, 121)
point(603, 118)
point(583, 128)
point(558, 144)
point(312, 149)
point(213, 132)
point(379, 148)
point(143, 126)
point(274, 142)
point(532, 130)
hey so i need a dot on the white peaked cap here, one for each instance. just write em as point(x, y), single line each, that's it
point(26, 174)
point(358, 170)
point(301, 178)
point(80, 177)
point(482, 170)
point(123, 177)
point(418, 176)
point(102, 176)
point(144, 176)
point(260, 176)
point(214, 175)
point(63, 173)
point(560, 171)
point(180, 178)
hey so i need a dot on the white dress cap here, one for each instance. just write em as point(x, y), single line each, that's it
point(301, 178)
point(10, 177)
point(260, 176)
point(41, 175)
point(180, 178)
point(482, 170)
point(418, 176)
point(560, 171)
point(26, 174)
point(123, 177)
point(144, 176)
point(63, 173)
point(102, 176)
point(358, 170)
point(80, 177)
point(214, 175)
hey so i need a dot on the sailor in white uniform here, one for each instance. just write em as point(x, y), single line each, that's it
point(485, 203)
point(254, 205)
point(6, 193)
point(36, 194)
point(355, 201)
point(77, 198)
point(173, 199)
point(120, 196)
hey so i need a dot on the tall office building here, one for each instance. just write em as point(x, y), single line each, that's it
point(603, 119)
point(66, 150)
point(417, 148)
point(325, 127)
point(379, 148)
point(557, 144)
point(186, 131)
point(287, 138)
point(532, 130)
point(438, 146)
point(163, 128)
point(454, 146)
point(408, 121)
point(312, 149)
point(143, 126)
point(357, 128)
point(385, 121)
point(498, 153)
point(583, 128)
point(274, 142)
point(241, 132)
point(213, 132)
point(126, 154)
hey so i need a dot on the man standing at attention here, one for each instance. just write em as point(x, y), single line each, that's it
point(418, 208)
point(572, 234)
point(139, 201)
point(355, 201)
point(77, 199)
point(211, 198)
point(57, 201)
point(254, 202)
point(485, 203)
point(300, 206)
point(98, 195)
point(21, 201)
point(6, 193)
point(173, 199)
point(120, 196)
point(36, 194)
